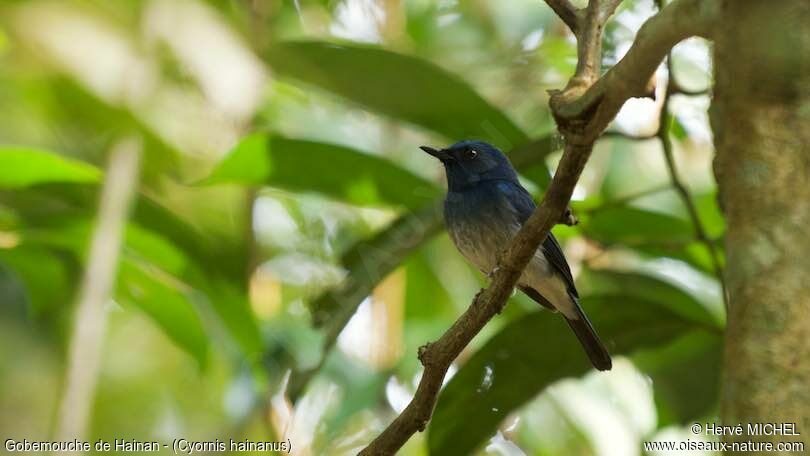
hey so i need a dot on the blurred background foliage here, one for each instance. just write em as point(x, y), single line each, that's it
point(284, 257)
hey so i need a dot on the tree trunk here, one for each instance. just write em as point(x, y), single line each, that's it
point(761, 118)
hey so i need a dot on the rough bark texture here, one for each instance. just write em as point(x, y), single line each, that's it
point(761, 118)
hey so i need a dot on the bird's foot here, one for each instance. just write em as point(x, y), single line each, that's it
point(492, 273)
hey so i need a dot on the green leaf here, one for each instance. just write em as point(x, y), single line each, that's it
point(531, 353)
point(170, 249)
point(22, 167)
point(148, 276)
point(694, 253)
point(250, 162)
point(231, 304)
point(93, 125)
point(47, 280)
point(147, 246)
point(336, 171)
point(167, 302)
point(399, 86)
point(425, 297)
point(216, 267)
point(633, 226)
point(685, 376)
point(642, 286)
point(72, 234)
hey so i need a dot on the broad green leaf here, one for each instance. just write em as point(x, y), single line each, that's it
point(167, 302)
point(15, 302)
point(214, 255)
point(147, 246)
point(72, 234)
point(22, 167)
point(428, 305)
point(400, 86)
point(685, 376)
point(250, 162)
point(336, 171)
point(633, 226)
point(61, 219)
point(531, 353)
point(46, 278)
point(642, 286)
point(215, 267)
point(148, 276)
point(231, 304)
point(425, 296)
point(54, 109)
point(694, 253)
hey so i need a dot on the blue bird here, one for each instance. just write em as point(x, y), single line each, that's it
point(484, 208)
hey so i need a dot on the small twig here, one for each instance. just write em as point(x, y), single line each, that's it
point(683, 191)
point(623, 200)
point(589, 44)
point(665, 119)
point(569, 14)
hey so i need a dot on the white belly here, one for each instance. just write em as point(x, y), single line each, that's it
point(483, 250)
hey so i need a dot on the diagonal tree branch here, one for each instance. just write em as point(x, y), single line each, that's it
point(583, 110)
point(436, 357)
point(567, 12)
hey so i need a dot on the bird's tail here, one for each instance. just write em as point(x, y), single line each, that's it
point(594, 348)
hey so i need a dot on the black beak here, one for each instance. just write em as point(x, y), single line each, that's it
point(440, 154)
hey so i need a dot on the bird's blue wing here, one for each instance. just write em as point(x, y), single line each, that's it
point(524, 206)
point(554, 254)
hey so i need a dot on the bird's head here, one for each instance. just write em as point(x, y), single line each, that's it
point(469, 162)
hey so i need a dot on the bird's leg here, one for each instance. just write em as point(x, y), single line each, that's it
point(492, 273)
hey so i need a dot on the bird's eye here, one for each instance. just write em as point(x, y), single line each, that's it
point(469, 154)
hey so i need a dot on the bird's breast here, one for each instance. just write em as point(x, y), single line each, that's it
point(480, 225)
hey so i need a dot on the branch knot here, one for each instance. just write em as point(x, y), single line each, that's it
point(423, 353)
